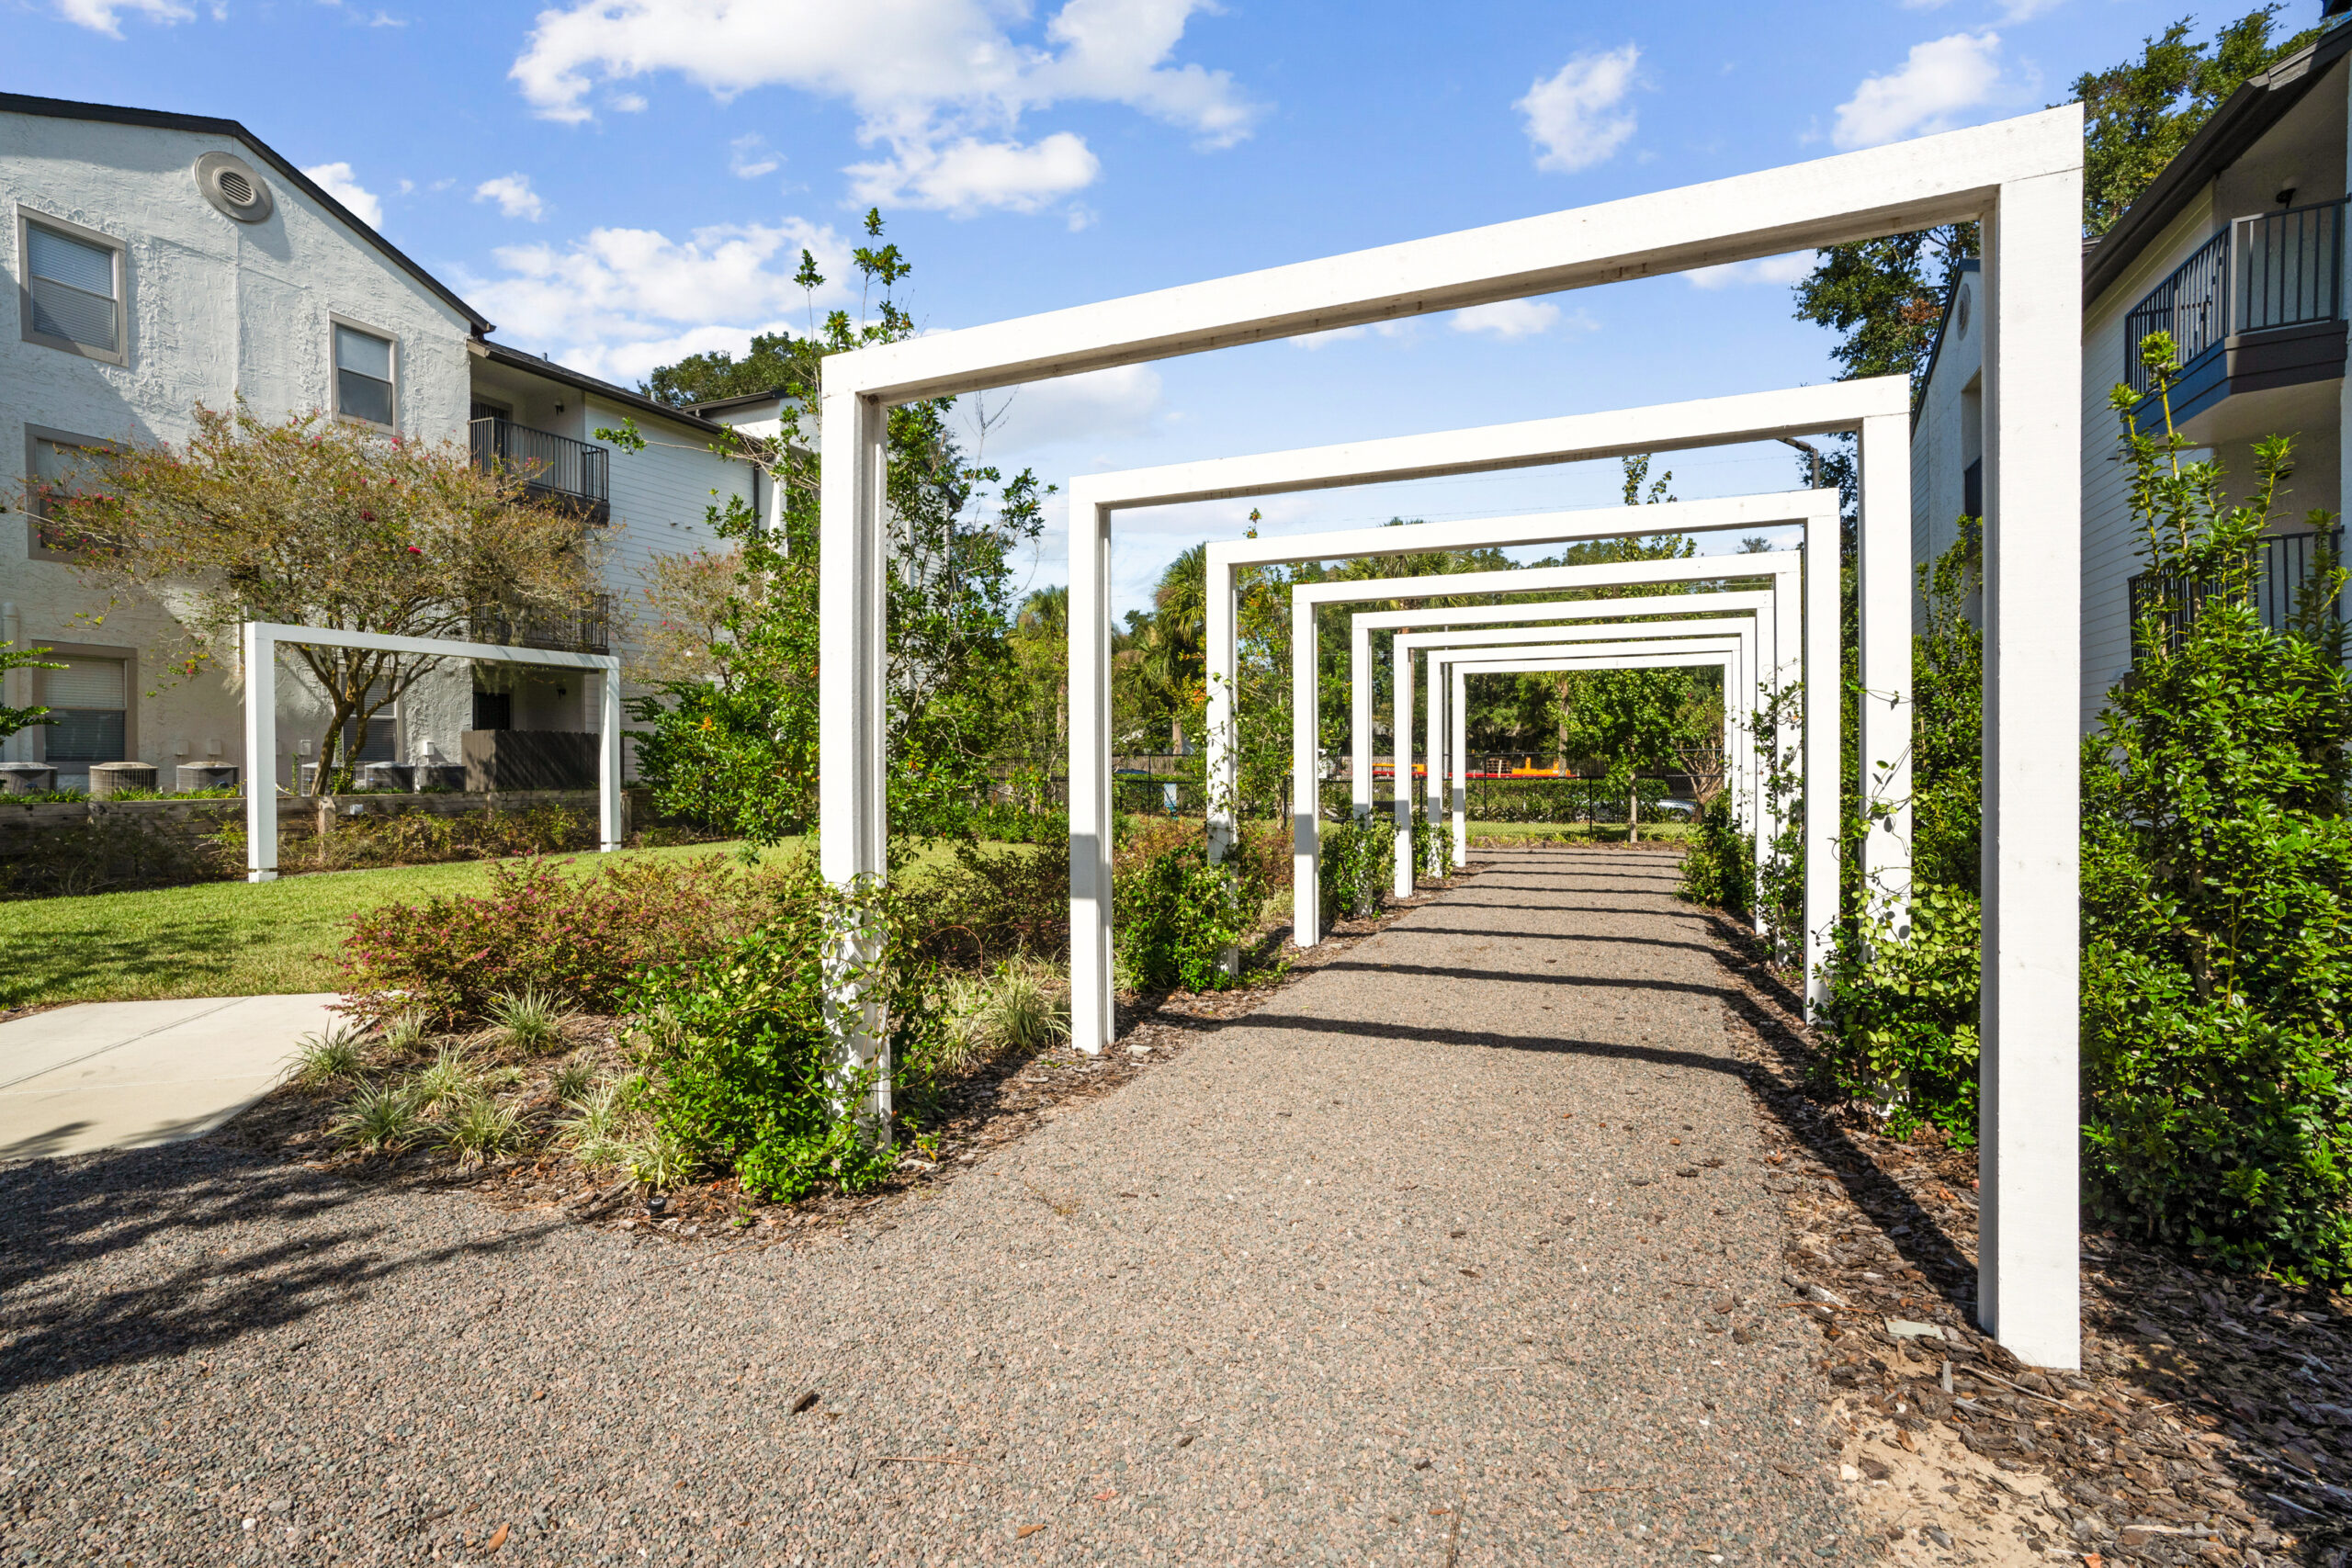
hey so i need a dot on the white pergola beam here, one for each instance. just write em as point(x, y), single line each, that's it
point(259, 641)
point(2022, 177)
point(1855, 195)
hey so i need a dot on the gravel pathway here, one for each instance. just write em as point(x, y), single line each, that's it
point(1455, 1252)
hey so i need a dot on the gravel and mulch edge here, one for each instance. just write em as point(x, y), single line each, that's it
point(2212, 1418)
point(1001, 1103)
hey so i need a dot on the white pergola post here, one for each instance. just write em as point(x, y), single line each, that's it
point(1450, 756)
point(2022, 178)
point(258, 641)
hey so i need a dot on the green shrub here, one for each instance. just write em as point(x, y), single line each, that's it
point(993, 905)
point(1903, 1016)
point(746, 1065)
point(1719, 862)
point(2217, 894)
point(1357, 863)
point(582, 939)
point(1177, 915)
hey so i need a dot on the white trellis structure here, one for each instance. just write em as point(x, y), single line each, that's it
point(1735, 636)
point(1782, 569)
point(2022, 178)
point(1815, 511)
point(259, 641)
point(1449, 752)
point(1437, 628)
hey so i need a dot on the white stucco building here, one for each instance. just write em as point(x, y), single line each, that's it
point(2237, 249)
point(157, 261)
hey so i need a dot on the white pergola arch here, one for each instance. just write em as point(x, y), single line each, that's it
point(258, 641)
point(1782, 569)
point(1757, 607)
point(1449, 758)
point(1734, 636)
point(2022, 178)
point(1815, 511)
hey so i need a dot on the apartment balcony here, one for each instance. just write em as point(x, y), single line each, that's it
point(2259, 309)
point(553, 467)
point(587, 630)
point(2286, 591)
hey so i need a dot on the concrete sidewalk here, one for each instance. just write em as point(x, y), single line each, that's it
point(126, 1075)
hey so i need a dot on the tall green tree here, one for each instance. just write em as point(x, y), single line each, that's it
point(2139, 114)
point(738, 747)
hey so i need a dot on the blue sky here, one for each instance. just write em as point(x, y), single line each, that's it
point(616, 181)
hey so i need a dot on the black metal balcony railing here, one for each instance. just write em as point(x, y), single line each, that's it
point(588, 629)
point(2192, 305)
point(2286, 564)
point(2273, 270)
point(553, 467)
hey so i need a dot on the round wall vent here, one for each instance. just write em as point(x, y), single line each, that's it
point(1959, 311)
point(229, 183)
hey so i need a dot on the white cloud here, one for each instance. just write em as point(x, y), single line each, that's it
point(339, 182)
point(620, 301)
point(941, 84)
point(1509, 318)
point(749, 158)
point(1576, 115)
point(514, 197)
point(1764, 269)
point(1940, 80)
point(969, 175)
point(101, 15)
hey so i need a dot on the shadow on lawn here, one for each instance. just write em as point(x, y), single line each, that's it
point(236, 1243)
point(105, 961)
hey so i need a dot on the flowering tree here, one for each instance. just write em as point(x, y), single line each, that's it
point(319, 522)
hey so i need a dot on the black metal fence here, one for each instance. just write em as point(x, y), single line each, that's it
point(588, 629)
point(2191, 304)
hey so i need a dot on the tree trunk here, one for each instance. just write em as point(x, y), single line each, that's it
point(1634, 811)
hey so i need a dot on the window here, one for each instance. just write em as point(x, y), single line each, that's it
point(364, 381)
point(71, 293)
point(89, 713)
point(58, 461)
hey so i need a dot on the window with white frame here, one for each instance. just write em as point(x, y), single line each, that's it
point(71, 293)
point(366, 383)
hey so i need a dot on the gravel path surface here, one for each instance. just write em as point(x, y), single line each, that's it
point(1455, 1252)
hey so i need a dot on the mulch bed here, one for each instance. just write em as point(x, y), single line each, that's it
point(2213, 1419)
point(996, 1104)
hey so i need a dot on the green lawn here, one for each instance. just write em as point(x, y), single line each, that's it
point(235, 938)
point(217, 939)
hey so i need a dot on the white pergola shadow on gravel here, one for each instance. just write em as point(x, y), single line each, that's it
point(259, 641)
point(2022, 178)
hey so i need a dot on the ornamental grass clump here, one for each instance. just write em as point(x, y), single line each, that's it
point(330, 1056)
